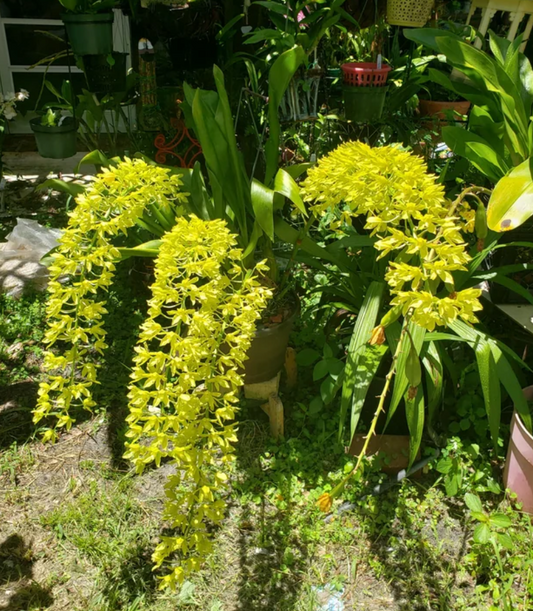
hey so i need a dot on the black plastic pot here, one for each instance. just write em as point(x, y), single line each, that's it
point(90, 34)
point(102, 77)
point(266, 355)
point(55, 142)
point(364, 104)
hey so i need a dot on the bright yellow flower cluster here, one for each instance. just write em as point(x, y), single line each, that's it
point(407, 211)
point(83, 267)
point(183, 394)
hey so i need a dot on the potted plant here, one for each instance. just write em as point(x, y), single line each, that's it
point(364, 90)
point(106, 73)
point(441, 104)
point(518, 474)
point(55, 134)
point(89, 25)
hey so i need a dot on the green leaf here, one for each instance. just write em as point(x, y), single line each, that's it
point(499, 520)
point(505, 540)
point(279, 77)
point(473, 502)
point(366, 321)
point(297, 169)
point(476, 149)
point(414, 412)
point(263, 207)
point(321, 369)
point(285, 184)
point(482, 533)
point(511, 202)
point(490, 386)
point(400, 379)
point(148, 249)
point(70, 5)
point(307, 357)
point(225, 31)
point(71, 188)
point(367, 366)
point(434, 380)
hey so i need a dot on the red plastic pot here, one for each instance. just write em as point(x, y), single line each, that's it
point(364, 74)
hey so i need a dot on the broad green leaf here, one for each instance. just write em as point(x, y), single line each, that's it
point(367, 366)
point(263, 207)
point(366, 321)
point(400, 379)
point(70, 5)
point(505, 540)
point(297, 169)
point(482, 533)
point(473, 502)
point(511, 202)
point(96, 158)
point(148, 249)
point(307, 357)
point(71, 188)
point(279, 77)
point(477, 150)
point(320, 370)
point(499, 520)
point(285, 184)
point(428, 37)
point(262, 35)
point(414, 412)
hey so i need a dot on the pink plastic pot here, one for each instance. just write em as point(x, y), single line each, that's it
point(518, 474)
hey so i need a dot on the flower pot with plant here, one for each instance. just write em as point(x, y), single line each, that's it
point(106, 73)
point(518, 474)
point(441, 104)
point(364, 90)
point(55, 134)
point(89, 25)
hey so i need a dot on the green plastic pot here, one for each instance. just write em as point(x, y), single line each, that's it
point(90, 34)
point(55, 142)
point(364, 104)
point(103, 78)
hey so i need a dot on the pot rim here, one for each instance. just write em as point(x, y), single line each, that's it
point(523, 430)
point(261, 331)
point(69, 125)
point(88, 17)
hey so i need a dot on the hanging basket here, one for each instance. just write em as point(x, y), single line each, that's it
point(364, 74)
point(409, 13)
point(90, 34)
point(364, 104)
point(104, 78)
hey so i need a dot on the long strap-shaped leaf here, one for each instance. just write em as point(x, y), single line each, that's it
point(366, 321)
point(401, 382)
point(414, 412)
point(490, 385)
point(367, 367)
point(434, 380)
point(502, 369)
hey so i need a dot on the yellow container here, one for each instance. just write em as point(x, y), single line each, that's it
point(409, 13)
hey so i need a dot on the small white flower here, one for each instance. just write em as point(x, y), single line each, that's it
point(10, 113)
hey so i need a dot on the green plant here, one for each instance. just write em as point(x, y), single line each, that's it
point(200, 323)
point(419, 236)
point(497, 140)
point(52, 118)
point(88, 6)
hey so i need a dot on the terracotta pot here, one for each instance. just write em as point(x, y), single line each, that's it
point(393, 448)
point(518, 474)
point(440, 110)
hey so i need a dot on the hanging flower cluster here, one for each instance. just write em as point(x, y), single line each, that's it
point(183, 394)
point(407, 211)
point(111, 205)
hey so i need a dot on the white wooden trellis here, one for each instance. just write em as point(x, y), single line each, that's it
point(517, 10)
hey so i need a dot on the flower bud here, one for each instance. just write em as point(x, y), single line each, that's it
point(391, 316)
point(378, 336)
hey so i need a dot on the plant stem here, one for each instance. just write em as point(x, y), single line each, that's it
point(297, 246)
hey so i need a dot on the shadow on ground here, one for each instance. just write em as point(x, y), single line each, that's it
point(18, 590)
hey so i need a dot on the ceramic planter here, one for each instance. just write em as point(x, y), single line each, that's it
point(55, 142)
point(90, 34)
point(103, 78)
point(441, 110)
point(266, 355)
point(518, 474)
